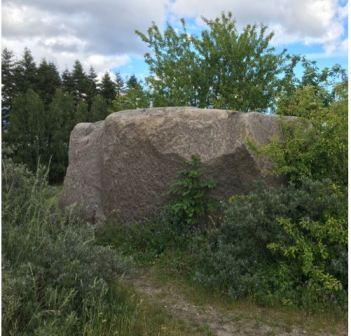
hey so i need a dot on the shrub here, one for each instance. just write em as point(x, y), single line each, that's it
point(315, 147)
point(56, 280)
point(190, 203)
point(283, 245)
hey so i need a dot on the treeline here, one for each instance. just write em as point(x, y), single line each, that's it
point(220, 68)
point(40, 107)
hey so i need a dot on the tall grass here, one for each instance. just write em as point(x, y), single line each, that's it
point(56, 279)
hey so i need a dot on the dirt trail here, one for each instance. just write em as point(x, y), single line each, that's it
point(219, 322)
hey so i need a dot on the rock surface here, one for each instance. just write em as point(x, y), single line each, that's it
point(125, 164)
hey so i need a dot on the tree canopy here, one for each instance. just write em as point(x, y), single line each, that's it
point(221, 68)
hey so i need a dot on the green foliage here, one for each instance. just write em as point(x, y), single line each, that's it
point(60, 121)
point(55, 277)
point(145, 242)
point(25, 73)
point(92, 85)
point(47, 81)
point(108, 88)
point(8, 84)
point(98, 109)
point(81, 83)
point(27, 128)
point(82, 112)
point(315, 146)
point(56, 280)
point(190, 203)
point(283, 245)
point(132, 97)
point(221, 68)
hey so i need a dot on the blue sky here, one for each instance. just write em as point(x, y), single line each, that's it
point(101, 33)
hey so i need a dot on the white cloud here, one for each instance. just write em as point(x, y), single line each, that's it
point(100, 32)
point(306, 21)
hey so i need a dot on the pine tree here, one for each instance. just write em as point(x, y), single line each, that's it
point(134, 96)
point(132, 82)
point(92, 80)
point(27, 127)
point(48, 80)
point(8, 84)
point(99, 109)
point(107, 88)
point(26, 72)
point(67, 82)
point(80, 82)
point(119, 84)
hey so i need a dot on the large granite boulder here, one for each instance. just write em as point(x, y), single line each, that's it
point(124, 165)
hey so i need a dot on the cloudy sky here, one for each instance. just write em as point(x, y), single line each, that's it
point(101, 32)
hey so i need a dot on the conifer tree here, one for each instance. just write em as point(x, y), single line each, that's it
point(80, 82)
point(8, 84)
point(132, 82)
point(119, 84)
point(26, 72)
point(48, 80)
point(67, 82)
point(134, 96)
point(108, 88)
point(92, 80)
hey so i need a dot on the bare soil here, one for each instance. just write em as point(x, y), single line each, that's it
point(217, 320)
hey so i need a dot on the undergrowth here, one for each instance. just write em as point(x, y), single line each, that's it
point(283, 246)
point(56, 279)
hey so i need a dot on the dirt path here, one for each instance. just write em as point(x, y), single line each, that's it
point(219, 322)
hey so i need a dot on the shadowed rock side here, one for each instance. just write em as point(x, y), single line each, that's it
point(125, 164)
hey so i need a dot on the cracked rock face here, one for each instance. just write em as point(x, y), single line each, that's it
point(124, 165)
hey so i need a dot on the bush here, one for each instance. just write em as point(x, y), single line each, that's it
point(315, 147)
point(56, 280)
point(285, 245)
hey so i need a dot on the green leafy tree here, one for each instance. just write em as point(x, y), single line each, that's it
point(221, 68)
point(315, 145)
point(299, 96)
point(26, 130)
